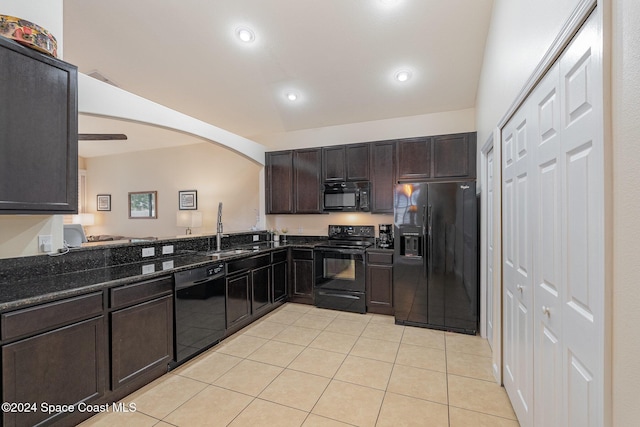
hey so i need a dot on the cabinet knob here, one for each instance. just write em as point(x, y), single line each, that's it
point(546, 311)
point(520, 288)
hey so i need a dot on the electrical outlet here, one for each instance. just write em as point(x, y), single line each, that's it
point(148, 252)
point(300, 229)
point(149, 268)
point(167, 249)
point(45, 243)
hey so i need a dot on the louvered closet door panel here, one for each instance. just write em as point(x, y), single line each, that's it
point(517, 265)
point(583, 236)
point(547, 273)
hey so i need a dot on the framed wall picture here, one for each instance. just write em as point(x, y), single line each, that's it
point(104, 202)
point(188, 200)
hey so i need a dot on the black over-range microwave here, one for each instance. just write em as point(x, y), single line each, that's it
point(346, 197)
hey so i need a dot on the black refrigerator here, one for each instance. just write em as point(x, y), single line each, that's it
point(435, 274)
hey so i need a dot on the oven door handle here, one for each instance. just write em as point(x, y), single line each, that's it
point(329, 294)
point(342, 252)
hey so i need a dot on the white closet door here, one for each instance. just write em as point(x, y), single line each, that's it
point(517, 264)
point(547, 272)
point(583, 293)
point(553, 242)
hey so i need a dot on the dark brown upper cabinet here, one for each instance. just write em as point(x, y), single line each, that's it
point(39, 128)
point(383, 172)
point(293, 181)
point(414, 159)
point(333, 164)
point(440, 157)
point(357, 162)
point(307, 184)
point(454, 156)
point(345, 163)
point(279, 182)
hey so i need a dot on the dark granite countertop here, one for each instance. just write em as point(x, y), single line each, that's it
point(38, 290)
point(44, 288)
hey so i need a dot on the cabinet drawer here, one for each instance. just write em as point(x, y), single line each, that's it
point(380, 257)
point(138, 292)
point(302, 254)
point(48, 316)
point(278, 256)
point(246, 264)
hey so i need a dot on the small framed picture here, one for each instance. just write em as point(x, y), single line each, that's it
point(188, 200)
point(104, 202)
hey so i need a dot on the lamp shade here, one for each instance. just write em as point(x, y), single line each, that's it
point(189, 219)
point(84, 219)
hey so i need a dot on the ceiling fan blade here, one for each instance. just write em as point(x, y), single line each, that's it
point(101, 137)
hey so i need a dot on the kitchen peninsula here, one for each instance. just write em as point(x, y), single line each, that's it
point(108, 312)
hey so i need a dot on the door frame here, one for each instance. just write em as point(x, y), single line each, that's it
point(496, 344)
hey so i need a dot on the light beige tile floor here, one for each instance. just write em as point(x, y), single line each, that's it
point(310, 367)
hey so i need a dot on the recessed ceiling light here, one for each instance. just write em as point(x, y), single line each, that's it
point(245, 34)
point(292, 96)
point(388, 4)
point(402, 75)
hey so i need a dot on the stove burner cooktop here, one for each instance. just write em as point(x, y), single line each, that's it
point(351, 236)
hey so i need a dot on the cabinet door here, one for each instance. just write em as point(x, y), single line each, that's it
point(302, 276)
point(279, 281)
point(383, 176)
point(260, 289)
point(357, 162)
point(63, 367)
point(141, 340)
point(454, 156)
point(380, 289)
point(307, 181)
point(238, 299)
point(39, 127)
point(414, 159)
point(279, 182)
point(333, 164)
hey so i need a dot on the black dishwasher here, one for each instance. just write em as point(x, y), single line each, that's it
point(199, 310)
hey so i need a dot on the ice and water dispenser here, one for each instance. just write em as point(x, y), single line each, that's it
point(411, 240)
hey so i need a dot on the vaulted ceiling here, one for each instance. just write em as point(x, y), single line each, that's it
point(338, 56)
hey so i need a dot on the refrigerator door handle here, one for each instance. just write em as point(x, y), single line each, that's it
point(424, 219)
point(428, 237)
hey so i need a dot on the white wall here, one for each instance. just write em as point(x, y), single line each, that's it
point(216, 173)
point(402, 127)
point(626, 210)
point(18, 233)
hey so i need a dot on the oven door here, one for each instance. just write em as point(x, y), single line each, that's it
point(340, 280)
point(341, 270)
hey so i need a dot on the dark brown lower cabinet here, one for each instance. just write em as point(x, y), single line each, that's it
point(279, 275)
point(238, 299)
point(141, 341)
point(380, 282)
point(61, 367)
point(302, 276)
point(260, 289)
